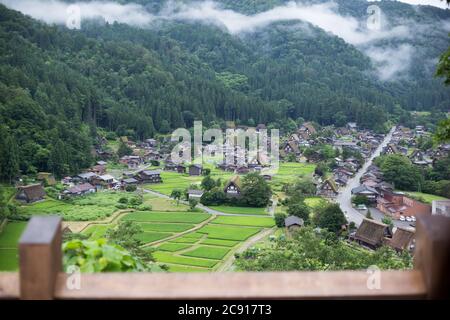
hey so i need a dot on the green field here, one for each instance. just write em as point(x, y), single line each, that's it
point(173, 180)
point(9, 239)
point(266, 222)
point(289, 172)
point(166, 227)
point(91, 207)
point(185, 239)
point(241, 210)
point(148, 237)
point(219, 242)
point(184, 269)
point(172, 247)
point(161, 204)
point(214, 253)
point(228, 232)
point(428, 198)
point(189, 261)
point(185, 217)
point(96, 231)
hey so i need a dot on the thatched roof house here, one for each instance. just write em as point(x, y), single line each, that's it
point(402, 239)
point(31, 193)
point(371, 233)
point(233, 187)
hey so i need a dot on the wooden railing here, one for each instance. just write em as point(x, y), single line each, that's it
point(41, 276)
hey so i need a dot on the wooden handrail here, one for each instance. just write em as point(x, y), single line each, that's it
point(41, 278)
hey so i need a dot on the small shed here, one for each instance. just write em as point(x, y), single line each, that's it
point(293, 223)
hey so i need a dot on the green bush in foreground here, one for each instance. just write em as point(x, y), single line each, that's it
point(99, 256)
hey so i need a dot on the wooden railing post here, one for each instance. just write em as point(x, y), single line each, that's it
point(432, 254)
point(40, 257)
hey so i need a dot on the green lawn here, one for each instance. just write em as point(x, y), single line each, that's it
point(314, 202)
point(189, 261)
point(266, 222)
point(289, 172)
point(152, 216)
point(91, 207)
point(160, 204)
point(184, 239)
point(241, 210)
point(428, 198)
point(166, 227)
point(9, 239)
point(215, 253)
point(228, 232)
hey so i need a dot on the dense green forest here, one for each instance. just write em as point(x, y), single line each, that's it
point(57, 86)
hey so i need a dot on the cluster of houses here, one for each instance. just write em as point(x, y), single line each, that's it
point(405, 142)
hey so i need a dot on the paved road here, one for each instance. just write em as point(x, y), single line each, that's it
point(345, 194)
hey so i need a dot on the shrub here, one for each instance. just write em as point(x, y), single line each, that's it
point(130, 188)
point(121, 206)
point(135, 201)
point(145, 207)
point(279, 219)
point(123, 200)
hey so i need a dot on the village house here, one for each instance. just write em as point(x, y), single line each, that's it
point(86, 177)
point(390, 149)
point(233, 187)
point(402, 239)
point(170, 166)
point(293, 223)
point(419, 158)
point(47, 178)
point(30, 194)
point(371, 233)
point(328, 189)
point(366, 191)
point(129, 182)
point(105, 182)
point(80, 190)
point(306, 130)
point(147, 176)
point(396, 205)
point(195, 194)
point(195, 170)
point(98, 169)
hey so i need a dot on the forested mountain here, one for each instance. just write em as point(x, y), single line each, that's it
point(58, 85)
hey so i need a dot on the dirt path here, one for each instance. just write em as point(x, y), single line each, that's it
point(227, 264)
point(79, 226)
point(181, 233)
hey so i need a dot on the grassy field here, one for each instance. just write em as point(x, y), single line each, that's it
point(189, 261)
point(228, 232)
point(91, 207)
point(428, 198)
point(214, 253)
point(172, 247)
point(166, 227)
point(266, 222)
point(175, 217)
point(9, 239)
point(289, 172)
point(147, 237)
point(218, 242)
point(241, 210)
point(161, 204)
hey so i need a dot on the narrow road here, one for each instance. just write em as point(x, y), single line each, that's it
point(345, 194)
point(228, 263)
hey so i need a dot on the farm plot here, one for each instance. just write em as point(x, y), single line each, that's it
point(166, 227)
point(9, 239)
point(266, 222)
point(91, 207)
point(225, 232)
point(189, 261)
point(174, 217)
point(241, 210)
point(214, 253)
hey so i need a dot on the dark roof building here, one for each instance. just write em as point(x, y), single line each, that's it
point(371, 233)
point(31, 193)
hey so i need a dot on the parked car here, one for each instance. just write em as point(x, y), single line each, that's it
point(409, 219)
point(413, 219)
point(402, 218)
